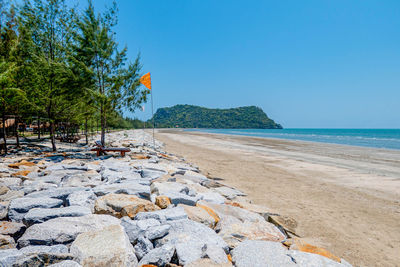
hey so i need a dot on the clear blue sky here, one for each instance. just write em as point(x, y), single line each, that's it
point(320, 64)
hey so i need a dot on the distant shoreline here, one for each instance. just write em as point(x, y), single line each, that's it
point(387, 139)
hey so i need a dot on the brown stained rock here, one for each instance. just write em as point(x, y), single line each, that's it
point(13, 229)
point(207, 263)
point(201, 215)
point(262, 210)
point(119, 205)
point(132, 210)
point(300, 245)
point(139, 156)
point(21, 163)
point(21, 173)
point(285, 222)
point(163, 202)
point(3, 190)
point(7, 242)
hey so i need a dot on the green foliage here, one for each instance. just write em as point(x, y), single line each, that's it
point(113, 86)
point(187, 116)
point(65, 66)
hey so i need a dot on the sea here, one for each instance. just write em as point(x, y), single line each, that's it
point(378, 138)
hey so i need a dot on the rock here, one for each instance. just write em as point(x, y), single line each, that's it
point(142, 247)
point(261, 253)
point(4, 209)
point(142, 191)
point(75, 167)
point(212, 197)
point(300, 245)
point(109, 246)
point(159, 256)
point(207, 263)
point(82, 198)
point(66, 263)
point(215, 253)
point(13, 229)
point(165, 188)
point(190, 238)
point(21, 173)
point(312, 260)
point(39, 215)
point(163, 201)
point(228, 210)
point(64, 230)
point(20, 206)
point(11, 194)
point(7, 242)
point(234, 231)
point(9, 256)
point(45, 249)
point(21, 163)
point(11, 182)
point(111, 176)
point(228, 192)
point(3, 190)
point(237, 224)
point(135, 229)
point(155, 232)
point(201, 215)
point(178, 198)
point(284, 223)
point(41, 259)
point(245, 204)
point(120, 205)
point(152, 174)
point(59, 193)
point(177, 213)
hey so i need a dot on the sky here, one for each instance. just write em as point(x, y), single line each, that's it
point(307, 64)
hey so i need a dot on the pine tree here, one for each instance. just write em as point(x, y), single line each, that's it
point(114, 85)
point(49, 23)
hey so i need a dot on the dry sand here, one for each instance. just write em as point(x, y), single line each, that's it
point(345, 199)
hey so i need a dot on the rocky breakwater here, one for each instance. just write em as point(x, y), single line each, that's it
point(150, 208)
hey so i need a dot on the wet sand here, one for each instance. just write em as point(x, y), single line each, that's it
point(345, 199)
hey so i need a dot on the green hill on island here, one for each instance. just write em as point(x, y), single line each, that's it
point(188, 116)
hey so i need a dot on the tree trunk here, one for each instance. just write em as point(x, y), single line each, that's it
point(4, 128)
point(86, 131)
point(38, 136)
point(16, 131)
point(52, 137)
point(103, 125)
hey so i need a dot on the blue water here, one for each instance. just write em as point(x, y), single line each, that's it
point(380, 138)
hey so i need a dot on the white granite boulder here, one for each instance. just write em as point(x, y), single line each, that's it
point(39, 215)
point(108, 246)
point(64, 230)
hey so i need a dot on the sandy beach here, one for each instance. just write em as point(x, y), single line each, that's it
point(345, 199)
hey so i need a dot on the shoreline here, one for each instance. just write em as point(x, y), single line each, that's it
point(344, 198)
point(283, 139)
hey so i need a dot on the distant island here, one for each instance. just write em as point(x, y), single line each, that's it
point(188, 116)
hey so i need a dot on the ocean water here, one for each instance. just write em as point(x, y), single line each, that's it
point(379, 138)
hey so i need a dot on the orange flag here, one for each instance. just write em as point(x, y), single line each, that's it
point(146, 80)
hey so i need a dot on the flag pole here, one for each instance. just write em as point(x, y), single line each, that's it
point(152, 115)
point(146, 81)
